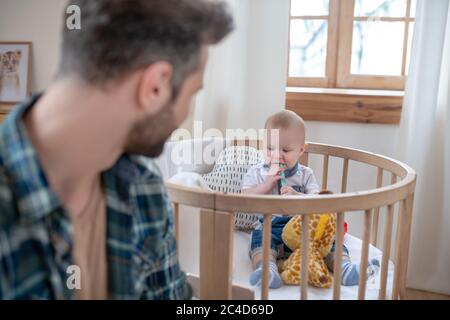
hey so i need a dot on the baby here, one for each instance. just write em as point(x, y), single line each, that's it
point(281, 174)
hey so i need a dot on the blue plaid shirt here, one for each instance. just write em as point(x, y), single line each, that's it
point(36, 232)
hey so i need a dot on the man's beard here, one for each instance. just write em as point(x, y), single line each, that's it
point(149, 135)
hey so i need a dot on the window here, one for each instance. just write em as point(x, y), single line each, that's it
point(350, 43)
point(353, 55)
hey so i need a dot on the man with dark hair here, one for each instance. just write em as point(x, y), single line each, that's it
point(81, 214)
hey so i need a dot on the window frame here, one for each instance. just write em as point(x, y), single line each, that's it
point(341, 96)
point(339, 47)
point(329, 81)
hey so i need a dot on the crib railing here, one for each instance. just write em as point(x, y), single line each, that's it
point(217, 222)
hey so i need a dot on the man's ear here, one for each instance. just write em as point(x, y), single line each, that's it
point(154, 87)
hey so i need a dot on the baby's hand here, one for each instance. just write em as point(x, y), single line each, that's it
point(289, 191)
point(272, 180)
point(275, 168)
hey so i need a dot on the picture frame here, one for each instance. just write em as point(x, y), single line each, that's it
point(15, 73)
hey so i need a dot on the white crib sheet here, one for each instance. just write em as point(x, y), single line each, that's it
point(242, 269)
point(189, 254)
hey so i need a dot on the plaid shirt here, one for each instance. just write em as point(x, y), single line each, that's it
point(36, 232)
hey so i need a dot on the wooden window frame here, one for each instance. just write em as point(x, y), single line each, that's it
point(329, 80)
point(345, 105)
point(344, 77)
point(349, 97)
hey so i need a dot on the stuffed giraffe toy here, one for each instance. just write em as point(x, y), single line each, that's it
point(322, 231)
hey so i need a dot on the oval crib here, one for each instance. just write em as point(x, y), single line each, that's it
point(217, 221)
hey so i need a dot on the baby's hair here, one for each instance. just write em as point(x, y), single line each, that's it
point(286, 119)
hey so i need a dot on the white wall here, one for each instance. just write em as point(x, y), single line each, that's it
point(220, 104)
point(241, 73)
point(39, 22)
point(266, 59)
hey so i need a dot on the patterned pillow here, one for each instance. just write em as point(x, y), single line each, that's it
point(228, 173)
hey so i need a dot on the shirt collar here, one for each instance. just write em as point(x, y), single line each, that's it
point(34, 197)
point(133, 169)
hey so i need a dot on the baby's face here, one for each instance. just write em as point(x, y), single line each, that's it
point(287, 150)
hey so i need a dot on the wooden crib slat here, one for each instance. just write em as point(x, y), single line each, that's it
point(338, 256)
point(305, 257)
point(240, 142)
point(176, 213)
point(206, 254)
point(344, 176)
point(377, 210)
point(254, 143)
point(340, 237)
point(397, 260)
point(223, 246)
point(267, 234)
point(364, 255)
point(387, 236)
point(257, 144)
point(304, 159)
point(325, 172)
point(216, 254)
point(406, 237)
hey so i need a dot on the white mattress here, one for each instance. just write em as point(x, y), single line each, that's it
point(189, 259)
point(242, 268)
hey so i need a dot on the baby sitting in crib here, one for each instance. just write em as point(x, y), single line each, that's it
point(281, 174)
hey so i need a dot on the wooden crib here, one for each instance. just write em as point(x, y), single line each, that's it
point(217, 222)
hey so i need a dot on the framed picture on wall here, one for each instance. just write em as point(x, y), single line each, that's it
point(15, 67)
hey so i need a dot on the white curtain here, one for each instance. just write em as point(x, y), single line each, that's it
point(246, 74)
point(425, 146)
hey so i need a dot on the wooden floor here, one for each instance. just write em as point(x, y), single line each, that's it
point(412, 294)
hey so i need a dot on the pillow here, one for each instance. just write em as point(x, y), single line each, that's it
point(189, 179)
point(228, 173)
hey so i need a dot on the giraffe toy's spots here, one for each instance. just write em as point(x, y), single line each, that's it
point(322, 230)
